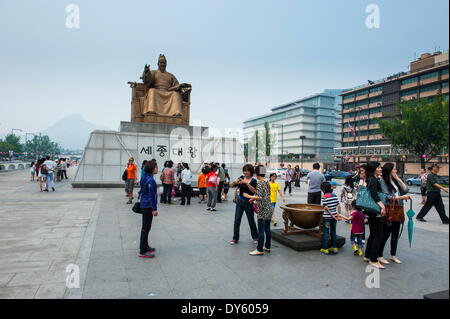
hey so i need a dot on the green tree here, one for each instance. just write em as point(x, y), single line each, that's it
point(420, 129)
point(268, 140)
point(11, 143)
point(246, 151)
point(260, 144)
point(42, 145)
point(5, 146)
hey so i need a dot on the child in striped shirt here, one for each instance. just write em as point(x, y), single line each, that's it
point(331, 215)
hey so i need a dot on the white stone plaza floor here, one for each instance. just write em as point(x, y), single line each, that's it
point(42, 233)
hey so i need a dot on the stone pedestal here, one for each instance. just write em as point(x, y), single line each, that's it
point(301, 241)
point(107, 152)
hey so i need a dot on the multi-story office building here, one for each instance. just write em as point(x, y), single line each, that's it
point(315, 117)
point(361, 139)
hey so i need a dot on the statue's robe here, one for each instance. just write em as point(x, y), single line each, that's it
point(159, 100)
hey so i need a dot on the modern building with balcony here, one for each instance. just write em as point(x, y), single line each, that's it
point(361, 139)
point(315, 117)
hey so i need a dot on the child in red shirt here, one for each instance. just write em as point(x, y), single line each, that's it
point(357, 230)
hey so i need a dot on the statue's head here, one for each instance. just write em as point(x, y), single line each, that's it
point(162, 63)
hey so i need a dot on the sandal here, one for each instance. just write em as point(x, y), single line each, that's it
point(383, 260)
point(396, 260)
point(377, 265)
point(365, 259)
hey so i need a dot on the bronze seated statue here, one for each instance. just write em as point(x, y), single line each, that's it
point(160, 98)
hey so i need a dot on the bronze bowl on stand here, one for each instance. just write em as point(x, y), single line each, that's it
point(307, 217)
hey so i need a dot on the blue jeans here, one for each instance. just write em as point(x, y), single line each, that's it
point(358, 238)
point(244, 206)
point(263, 228)
point(50, 181)
point(329, 230)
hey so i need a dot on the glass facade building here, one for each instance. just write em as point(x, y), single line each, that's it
point(316, 117)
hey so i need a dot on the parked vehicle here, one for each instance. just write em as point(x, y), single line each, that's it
point(413, 181)
point(335, 174)
point(443, 180)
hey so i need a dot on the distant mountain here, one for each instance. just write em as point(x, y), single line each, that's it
point(72, 132)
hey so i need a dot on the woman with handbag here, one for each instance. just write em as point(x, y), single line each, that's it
point(373, 173)
point(264, 211)
point(149, 209)
point(246, 184)
point(396, 190)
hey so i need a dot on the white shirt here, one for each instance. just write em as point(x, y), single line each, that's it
point(50, 165)
point(186, 177)
point(396, 193)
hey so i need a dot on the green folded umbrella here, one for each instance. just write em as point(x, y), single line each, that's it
point(410, 213)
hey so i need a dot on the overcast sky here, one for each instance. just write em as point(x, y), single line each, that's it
point(241, 57)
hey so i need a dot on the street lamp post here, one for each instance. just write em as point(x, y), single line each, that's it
point(302, 138)
point(26, 140)
point(282, 138)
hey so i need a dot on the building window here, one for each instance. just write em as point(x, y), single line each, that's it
point(350, 96)
point(429, 75)
point(431, 87)
point(361, 103)
point(347, 116)
point(410, 80)
point(365, 122)
point(445, 85)
point(375, 110)
point(375, 99)
point(348, 106)
point(375, 90)
point(444, 72)
point(408, 92)
point(361, 93)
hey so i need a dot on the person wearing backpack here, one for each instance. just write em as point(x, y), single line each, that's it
point(348, 194)
point(212, 180)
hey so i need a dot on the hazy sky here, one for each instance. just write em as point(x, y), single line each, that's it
point(241, 57)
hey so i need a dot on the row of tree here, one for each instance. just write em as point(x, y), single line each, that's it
point(39, 144)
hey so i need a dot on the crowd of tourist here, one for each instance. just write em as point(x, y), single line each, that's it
point(46, 172)
point(256, 195)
